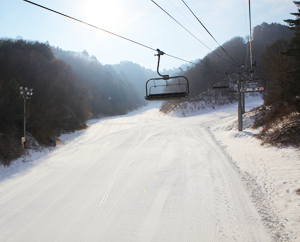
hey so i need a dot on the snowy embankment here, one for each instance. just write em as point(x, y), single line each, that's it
point(146, 176)
point(270, 174)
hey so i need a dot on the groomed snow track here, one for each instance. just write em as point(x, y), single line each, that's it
point(139, 177)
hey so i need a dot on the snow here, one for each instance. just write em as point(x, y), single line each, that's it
point(273, 171)
point(146, 176)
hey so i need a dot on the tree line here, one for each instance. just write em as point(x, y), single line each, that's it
point(276, 55)
point(112, 92)
point(279, 118)
point(215, 67)
point(68, 89)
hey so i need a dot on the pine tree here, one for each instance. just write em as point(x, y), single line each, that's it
point(293, 50)
point(294, 45)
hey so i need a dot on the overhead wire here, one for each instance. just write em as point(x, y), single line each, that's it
point(107, 31)
point(209, 32)
point(180, 24)
point(188, 20)
point(191, 33)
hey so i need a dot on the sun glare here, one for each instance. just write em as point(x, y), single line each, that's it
point(104, 14)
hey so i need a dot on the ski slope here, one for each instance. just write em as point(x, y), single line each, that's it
point(139, 177)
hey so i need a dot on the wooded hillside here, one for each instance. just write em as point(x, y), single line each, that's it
point(112, 93)
point(276, 59)
point(215, 66)
point(68, 89)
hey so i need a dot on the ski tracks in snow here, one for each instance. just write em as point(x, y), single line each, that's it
point(126, 158)
point(260, 196)
point(143, 177)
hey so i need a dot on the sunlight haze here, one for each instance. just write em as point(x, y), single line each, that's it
point(140, 21)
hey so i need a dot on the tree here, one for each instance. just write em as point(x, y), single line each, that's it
point(294, 45)
point(10, 103)
point(275, 67)
point(59, 104)
point(264, 35)
point(293, 50)
point(104, 81)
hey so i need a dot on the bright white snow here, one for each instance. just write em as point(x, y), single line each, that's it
point(149, 177)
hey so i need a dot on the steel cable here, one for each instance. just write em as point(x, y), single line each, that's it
point(192, 34)
point(209, 32)
point(106, 31)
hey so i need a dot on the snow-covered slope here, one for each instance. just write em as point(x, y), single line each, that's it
point(270, 174)
point(140, 177)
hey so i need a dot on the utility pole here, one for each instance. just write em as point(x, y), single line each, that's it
point(242, 97)
point(247, 52)
point(240, 106)
point(25, 94)
point(248, 85)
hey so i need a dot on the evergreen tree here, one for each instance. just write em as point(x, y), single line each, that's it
point(275, 68)
point(294, 45)
point(293, 50)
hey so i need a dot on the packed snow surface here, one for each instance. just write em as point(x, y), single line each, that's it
point(146, 176)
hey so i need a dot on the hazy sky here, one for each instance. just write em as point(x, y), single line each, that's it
point(141, 21)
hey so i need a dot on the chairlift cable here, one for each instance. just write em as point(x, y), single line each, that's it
point(88, 24)
point(208, 31)
point(189, 21)
point(191, 33)
point(106, 31)
point(183, 60)
point(180, 24)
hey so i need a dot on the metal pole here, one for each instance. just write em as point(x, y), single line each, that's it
point(244, 107)
point(242, 85)
point(25, 94)
point(243, 103)
point(240, 115)
point(247, 53)
point(24, 119)
point(215, 97)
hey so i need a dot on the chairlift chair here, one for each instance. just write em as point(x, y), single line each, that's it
point(234, 85)
point(252, 85)
point(220, 85)
point(165, 87)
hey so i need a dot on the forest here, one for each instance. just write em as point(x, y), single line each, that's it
point(70, 88)
point(275, 54)
point(216, 66)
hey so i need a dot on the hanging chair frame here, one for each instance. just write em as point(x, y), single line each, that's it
point(166, 96)
point(215, 86)
point(260, 87)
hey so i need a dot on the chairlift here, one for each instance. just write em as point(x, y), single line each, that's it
point(221, 84)
point(234, 85)
point(234, 89)
point(252, 85)
point(165, 87)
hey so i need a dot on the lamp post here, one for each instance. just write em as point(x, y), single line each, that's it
point(25, 94)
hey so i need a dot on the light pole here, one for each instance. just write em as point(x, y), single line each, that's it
point(25, 94)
